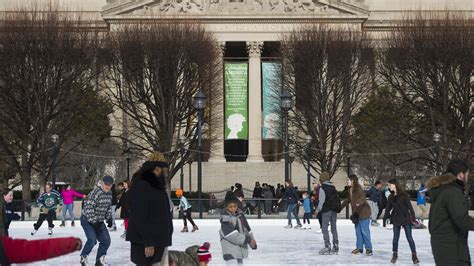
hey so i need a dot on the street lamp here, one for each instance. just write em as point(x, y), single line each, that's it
point(199, 105)
point(309, 139)
point(181, 152)
point(128, 157)
point(55, 140)
point(286, 105)
point(436, 140)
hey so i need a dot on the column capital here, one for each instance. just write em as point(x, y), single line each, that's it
point(254, 48)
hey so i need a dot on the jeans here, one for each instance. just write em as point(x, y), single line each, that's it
point(292, 209)
point(374, 210)
point(327, 218)
point(396, 237)
point(363, 234)
point(68, 208)
point(93, 235)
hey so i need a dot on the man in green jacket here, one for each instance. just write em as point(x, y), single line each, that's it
point(450, 222)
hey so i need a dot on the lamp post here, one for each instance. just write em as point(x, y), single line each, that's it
point(436, 140)
point(181, 152)
point(308, 158)
point(286, 105)
point(55, 140)
point(128, 157)
point(199, 105)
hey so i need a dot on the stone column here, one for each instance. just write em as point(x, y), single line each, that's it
point(217, 149)
point(255, 101)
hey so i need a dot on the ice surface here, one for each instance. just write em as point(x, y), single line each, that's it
point(276, 245)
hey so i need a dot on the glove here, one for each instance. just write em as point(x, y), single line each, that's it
point(253, 244)
point(60, 208)
point(355, 218)
point(78, 244)
point(44, 210)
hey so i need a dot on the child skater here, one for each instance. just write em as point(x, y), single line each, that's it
point(235, 231)
point(307, 211)
point(186, 208)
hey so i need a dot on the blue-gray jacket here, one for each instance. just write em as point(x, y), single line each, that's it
point(235, 235)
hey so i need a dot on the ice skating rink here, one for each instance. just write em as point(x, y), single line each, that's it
point(276, 245)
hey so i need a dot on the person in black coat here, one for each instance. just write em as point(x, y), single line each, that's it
point(401, 214)
point(150, 225)
point(123, 205)
point(10, 214)
point(449, 222)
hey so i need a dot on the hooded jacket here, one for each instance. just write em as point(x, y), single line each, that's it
point(358, 202)
point(449, 221)
point(235, 235)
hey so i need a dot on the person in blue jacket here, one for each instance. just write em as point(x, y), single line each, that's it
point(374, 200)
point(292, 198)
point(421, 202)
point(307, 211)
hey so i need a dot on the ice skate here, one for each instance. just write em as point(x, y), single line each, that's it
point(369, 252)
point(335, 249)
point(357, 251)
point(194, 228)
point(113, 228)
point(304, 227)
point(84, 260)
point(62, 224)
point(394, 258)
point(415, 259)
point(185, 229)
point(34, 232)
point(308, 227)
point(124, 235)
point(326, 251)
point(288, 226)
point(72, 223)
point(298, 226)
point(101, 262)
point(50, 231)
point(375, 223)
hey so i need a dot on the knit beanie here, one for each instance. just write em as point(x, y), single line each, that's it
point(230, 197)
point(324, 177)
point(203, 252)
point(179, 192)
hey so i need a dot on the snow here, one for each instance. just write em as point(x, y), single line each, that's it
point(276, 245)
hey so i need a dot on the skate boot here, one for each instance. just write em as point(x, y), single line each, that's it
point(298, 226)
point(50, 231)
point(394, 257)
point(185, 229)
point(289, 226)
point(62, 224)
point(124, 235)
point(335, 249)
point(113, 228)
point(308, 227)
point(195, 227)
point(101, 262)
point(84, 260)
point(34, 232)
point(72, 223)
point(325, 251)
point(369, 252)
point(357, 251)
point(415, 259)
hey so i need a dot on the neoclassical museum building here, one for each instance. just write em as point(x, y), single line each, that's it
point(248, 32)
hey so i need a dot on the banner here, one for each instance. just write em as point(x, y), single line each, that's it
point(271, 87)
point(236, 100)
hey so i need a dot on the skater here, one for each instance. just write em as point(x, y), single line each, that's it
point(268, 196)
point(421, 202)
point(375, 199)
point(10, 215)
point(307, 211)
point(328, 207)
point(186, 208)
point(48, 203)
point(315, 200)
point(449, 221)
point(68, 195)
point(401, 214)
point(360, 216)
point(192, 256)
point(123, 206)
point(150, 225)
point(97, 209)
point(111, 223)
point(25, 251)
point(292, 198)
point(235, 231)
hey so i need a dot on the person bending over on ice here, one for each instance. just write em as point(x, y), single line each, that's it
point(235, 233)
point(48, 203)
point(96, 210)
point(186, 208)
point(192, 256)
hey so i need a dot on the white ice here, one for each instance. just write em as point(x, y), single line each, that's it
point(276, 245)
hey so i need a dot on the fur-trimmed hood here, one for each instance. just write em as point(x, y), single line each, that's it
point(437, 181)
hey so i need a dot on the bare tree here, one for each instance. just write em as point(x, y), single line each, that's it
point(155, 70)
point(429, 62)
point(47, 71)
point(327, 69)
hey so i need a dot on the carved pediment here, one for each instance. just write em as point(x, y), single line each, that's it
point(234, 7)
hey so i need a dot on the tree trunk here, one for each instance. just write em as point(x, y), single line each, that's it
point(26, 186)
point(2, 217)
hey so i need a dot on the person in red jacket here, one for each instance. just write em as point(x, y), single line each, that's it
point(24, 251)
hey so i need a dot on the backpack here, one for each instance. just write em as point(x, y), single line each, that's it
point(333, 202)
point(338, 205)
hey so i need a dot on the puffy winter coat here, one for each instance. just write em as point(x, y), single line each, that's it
point(358, 202)
point(97, 206)
point(449, 222)
point(189, 257)
point(235, 235)
point(24, 251)
point(291, 195)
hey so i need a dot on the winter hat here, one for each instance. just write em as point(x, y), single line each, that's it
point(156, 159)
point(179, 192)
point(203, 252)
point(393, 181)
point(108, 180)
point(325, 176)
point(230, 197)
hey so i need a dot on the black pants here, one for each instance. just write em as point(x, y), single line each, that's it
point(306, 217)
point(187, 216)
point(320, 219)
point(396, 237)
point(49, 216)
